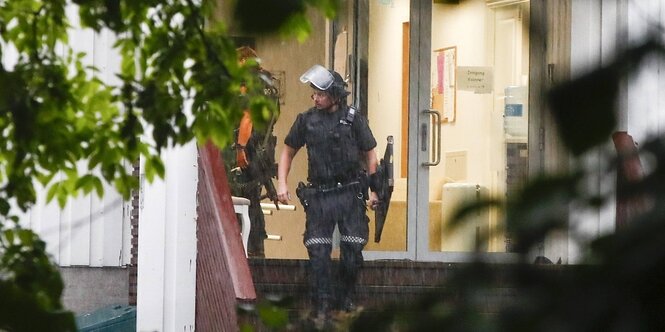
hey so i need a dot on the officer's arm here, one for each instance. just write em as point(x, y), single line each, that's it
point(283, 168)
point(372, 163)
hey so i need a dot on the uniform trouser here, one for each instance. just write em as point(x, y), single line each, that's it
point(346, 208)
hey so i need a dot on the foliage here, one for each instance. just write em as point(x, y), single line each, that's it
point(30, 286)
point(270, 312)
point(65, 128)
point(620, 283)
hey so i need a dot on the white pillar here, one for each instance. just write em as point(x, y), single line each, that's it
point(166, 287)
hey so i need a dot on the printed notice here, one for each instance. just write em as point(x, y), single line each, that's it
point(476, 79)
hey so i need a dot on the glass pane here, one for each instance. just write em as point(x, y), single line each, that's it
point(387, 96)
point(479, 80)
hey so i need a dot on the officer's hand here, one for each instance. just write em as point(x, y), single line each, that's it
point(283, 194)
point(373, 200)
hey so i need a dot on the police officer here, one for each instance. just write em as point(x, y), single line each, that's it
point(339, 142)
point(242, 160)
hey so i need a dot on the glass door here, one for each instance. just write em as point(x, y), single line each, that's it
point(449, 82)
point(478, 83)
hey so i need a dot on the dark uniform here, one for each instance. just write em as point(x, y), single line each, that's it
point(336, 194)
point(246, 184)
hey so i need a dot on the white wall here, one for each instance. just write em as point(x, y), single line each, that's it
point(166, 290)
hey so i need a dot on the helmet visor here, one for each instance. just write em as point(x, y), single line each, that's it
point(318, 76)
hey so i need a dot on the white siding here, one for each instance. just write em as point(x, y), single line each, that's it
point(88, 231)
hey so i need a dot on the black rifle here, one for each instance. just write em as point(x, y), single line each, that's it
point(266, 168)
point(263, 166)
point(382, 183)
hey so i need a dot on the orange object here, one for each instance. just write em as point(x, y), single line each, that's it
point(244, 133)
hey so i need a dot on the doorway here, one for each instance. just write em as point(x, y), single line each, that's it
point(449, 82)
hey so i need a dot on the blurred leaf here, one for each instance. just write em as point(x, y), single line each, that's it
point(585, 109)
point(4, 206)
point(262, 16)
point(272, 316)
point(540, 208)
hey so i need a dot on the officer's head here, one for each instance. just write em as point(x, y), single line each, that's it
point(326, 81)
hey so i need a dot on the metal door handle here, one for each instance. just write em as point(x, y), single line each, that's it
point(437, 132)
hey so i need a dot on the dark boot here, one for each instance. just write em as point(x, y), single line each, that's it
point(347, 304)
point(322, 310)
point(255, 247)
point(320, 266)
point(321, 316)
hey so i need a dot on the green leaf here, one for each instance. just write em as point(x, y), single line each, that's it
point(158, 166)
point(4, 207)
point(99, 187)
point(52, 192)
point(25, 236)
point(62, 197)
point(9, 235)
point(585, 109)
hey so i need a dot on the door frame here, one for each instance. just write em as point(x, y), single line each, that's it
point(419, 151)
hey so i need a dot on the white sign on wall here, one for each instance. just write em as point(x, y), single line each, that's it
point(476, 79)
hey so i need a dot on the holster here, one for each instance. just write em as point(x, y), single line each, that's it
point(304, 194)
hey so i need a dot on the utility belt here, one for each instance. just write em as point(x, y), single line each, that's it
point(306, 191)
point(332, 186)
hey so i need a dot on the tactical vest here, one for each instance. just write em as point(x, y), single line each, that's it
point(332, 148)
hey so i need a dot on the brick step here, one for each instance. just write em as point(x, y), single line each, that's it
point(380, 283)
point(386, 273)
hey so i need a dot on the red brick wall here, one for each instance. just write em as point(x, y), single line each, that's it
point(134, 225)
point(222, 272)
